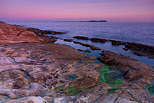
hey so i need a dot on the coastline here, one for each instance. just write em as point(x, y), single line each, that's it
point(52, 72)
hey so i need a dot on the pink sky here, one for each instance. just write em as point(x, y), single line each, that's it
point(111, 10)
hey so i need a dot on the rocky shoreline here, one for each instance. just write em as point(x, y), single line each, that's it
point(35, 69)
point(136, 48)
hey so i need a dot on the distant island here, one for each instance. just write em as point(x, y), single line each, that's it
point(95, 21)
point(85, 21)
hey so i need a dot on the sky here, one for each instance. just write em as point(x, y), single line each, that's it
point(110, 10)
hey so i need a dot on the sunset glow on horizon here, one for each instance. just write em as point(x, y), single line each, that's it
point(111, 10)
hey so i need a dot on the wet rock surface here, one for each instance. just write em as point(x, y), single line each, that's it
point(140, 49)
point(87, 50)
point(92, 47)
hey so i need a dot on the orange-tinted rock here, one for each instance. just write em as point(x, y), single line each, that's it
point(15, 34)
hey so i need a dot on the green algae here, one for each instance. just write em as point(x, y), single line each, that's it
point(59, 88)
point(72, 77)
point(112, 77)
point(105, 69)
point(113, 90)
point(150, 88)
point(70, 91)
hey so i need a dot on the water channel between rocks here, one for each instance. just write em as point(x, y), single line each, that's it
point(106, 46)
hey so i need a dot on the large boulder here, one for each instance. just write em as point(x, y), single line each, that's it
point(15, 34)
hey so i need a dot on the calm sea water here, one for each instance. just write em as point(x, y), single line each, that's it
point(132, 32)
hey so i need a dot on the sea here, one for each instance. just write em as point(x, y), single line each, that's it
point(139, 32)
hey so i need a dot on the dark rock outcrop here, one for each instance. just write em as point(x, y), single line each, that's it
point(68, 40)
point(136, 48)
point(116, 42)
point(98, 40)
point(38, 31)
point(81, 37)
point(140, 49)
point(88, 45)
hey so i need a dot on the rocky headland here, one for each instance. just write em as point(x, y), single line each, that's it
point(34, 69)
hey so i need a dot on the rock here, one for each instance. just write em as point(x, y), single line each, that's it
point(116, 42)
point(48, 40)
point(131, 68)
point(136, 48)
point(85, 79)
point(28, 36)
point(94, 48)
point(39, 32)
point(69, 40)
point(91, 57)
point(98, 40)
point(35, 89)
point(87, 50)
point(35, 30)
point(7, 78)
point(20, 83)
point(140, 49)
point(64, 99)
point(15, 34)
point(123, 100)
point(30, 99)
point(20, 59)
point(7, 92)
point(31, 69)
point(88, 45)
point(81, 37)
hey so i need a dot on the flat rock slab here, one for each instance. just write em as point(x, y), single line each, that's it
point(35, 69)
